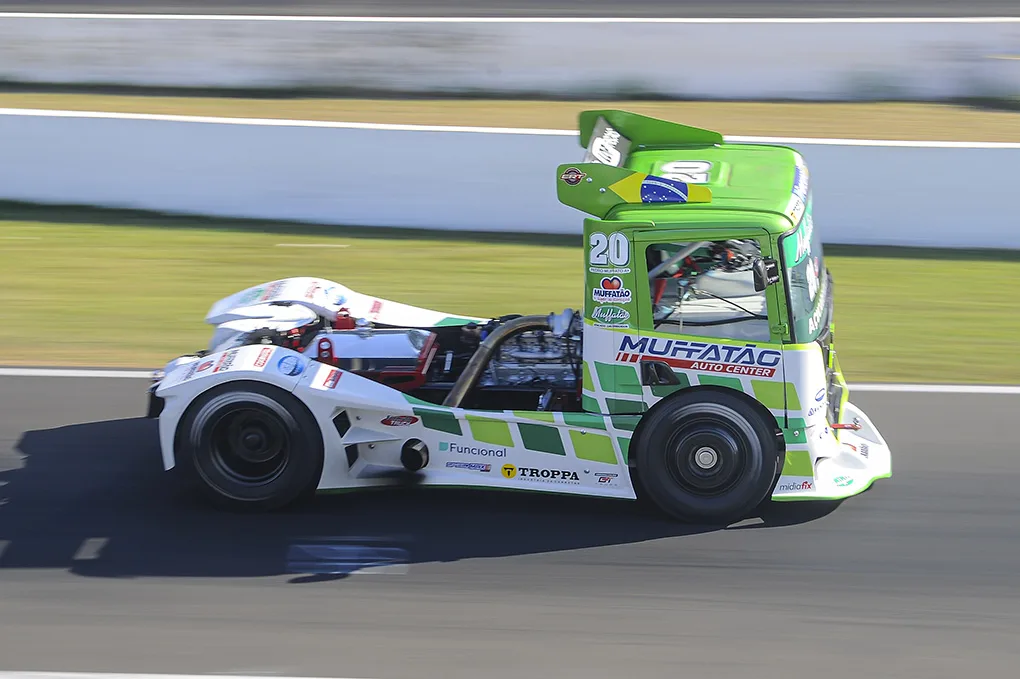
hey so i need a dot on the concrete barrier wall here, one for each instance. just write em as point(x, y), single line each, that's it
point(706, 59)
point(929, 195)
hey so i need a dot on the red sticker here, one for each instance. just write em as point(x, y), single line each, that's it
point(331, 379)
point(263, 357)
point(399, 420)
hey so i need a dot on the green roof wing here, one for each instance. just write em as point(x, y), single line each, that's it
point(597, 189)
point(644, 131)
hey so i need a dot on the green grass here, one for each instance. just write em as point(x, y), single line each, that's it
point(132, 289)
point(798, 119)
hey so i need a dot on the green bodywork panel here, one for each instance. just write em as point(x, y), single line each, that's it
point(742, 177)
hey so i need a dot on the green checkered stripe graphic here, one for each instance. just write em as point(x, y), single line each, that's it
point(587, 437)
point(798, 463)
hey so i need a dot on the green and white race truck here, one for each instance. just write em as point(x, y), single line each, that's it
point(702, 371)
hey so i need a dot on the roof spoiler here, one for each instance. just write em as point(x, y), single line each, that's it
point(598, 189)
point(609, 134)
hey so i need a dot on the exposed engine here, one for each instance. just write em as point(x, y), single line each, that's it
point(535, 358)
point(535, 362)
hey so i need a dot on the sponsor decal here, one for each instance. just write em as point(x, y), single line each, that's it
point(312, 289)
point(687, 171)
point(547, 475)
point(604, 478)
point(611, 316)
point(399, 420)
point(226, 361)
point(609, 270)
point(704, 357)
point(817, 409)
point(251, 296)
point(324, 349)
point(799, 193)
point(376, 308)
point(263, 357)
point(804, 235)
point(457, 449)
point(508, 471)
point(820, 395)
point(190, 372)
point(331, 379)
point(864, 450)
point(843, 481)
point(261, 294)
point(816, 315)
point(610, 289)
point(290, 366)
point(812, 273)
point(470, 466)
point(795, 485)
point(572, 176)
point(334, 297)
point(205, 365)
point(608, 146)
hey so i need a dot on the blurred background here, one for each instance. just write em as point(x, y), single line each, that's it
point(810, 74)
point(157, 155)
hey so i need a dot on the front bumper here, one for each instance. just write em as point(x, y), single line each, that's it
point(856, 459)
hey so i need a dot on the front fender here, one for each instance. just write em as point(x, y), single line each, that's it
point(322, 388)
point(184, 382)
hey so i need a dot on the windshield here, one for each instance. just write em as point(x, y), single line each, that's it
point(807, 282)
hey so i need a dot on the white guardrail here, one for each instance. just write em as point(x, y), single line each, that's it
point(680, 58)
point(950, 194)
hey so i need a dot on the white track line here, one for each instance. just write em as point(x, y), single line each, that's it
point(864, 387)
point(108, 675)
point(285, 122)
point(278, 122)
point(60, 372)
point(508, 20)
point(938, 388)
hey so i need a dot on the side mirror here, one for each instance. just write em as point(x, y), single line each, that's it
point(766, 273)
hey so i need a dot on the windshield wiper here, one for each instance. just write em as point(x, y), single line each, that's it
point(734, 304)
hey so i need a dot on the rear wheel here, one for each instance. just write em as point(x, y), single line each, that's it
point(251, 446)
point(706, 457)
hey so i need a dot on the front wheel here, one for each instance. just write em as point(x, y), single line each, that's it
point(707, 457)
point(250, 446)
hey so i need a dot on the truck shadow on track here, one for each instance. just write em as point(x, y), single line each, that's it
point(103, 481)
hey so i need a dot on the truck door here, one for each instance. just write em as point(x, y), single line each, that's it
point(700, 319)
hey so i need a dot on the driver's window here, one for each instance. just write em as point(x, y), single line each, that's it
point(706, 288)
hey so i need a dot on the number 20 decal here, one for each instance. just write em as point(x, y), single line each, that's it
point(690, 171)
point(613, 250)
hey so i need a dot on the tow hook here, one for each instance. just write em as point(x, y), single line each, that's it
point(855, 425)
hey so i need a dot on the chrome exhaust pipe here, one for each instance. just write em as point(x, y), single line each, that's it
point(473, 372)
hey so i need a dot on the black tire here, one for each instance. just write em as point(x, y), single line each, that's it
point(250, 446)
point(736, 446)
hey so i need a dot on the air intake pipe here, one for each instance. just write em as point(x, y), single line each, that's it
point(473, 372)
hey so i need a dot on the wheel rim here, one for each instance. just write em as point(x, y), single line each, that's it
point(705, 456)
point(248, 444)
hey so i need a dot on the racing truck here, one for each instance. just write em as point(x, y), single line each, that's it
point(699, 372)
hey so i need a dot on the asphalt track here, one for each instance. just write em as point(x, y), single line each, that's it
point(107, 567)
point(561, 8)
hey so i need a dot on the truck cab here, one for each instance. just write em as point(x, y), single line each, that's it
point(705, 273)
